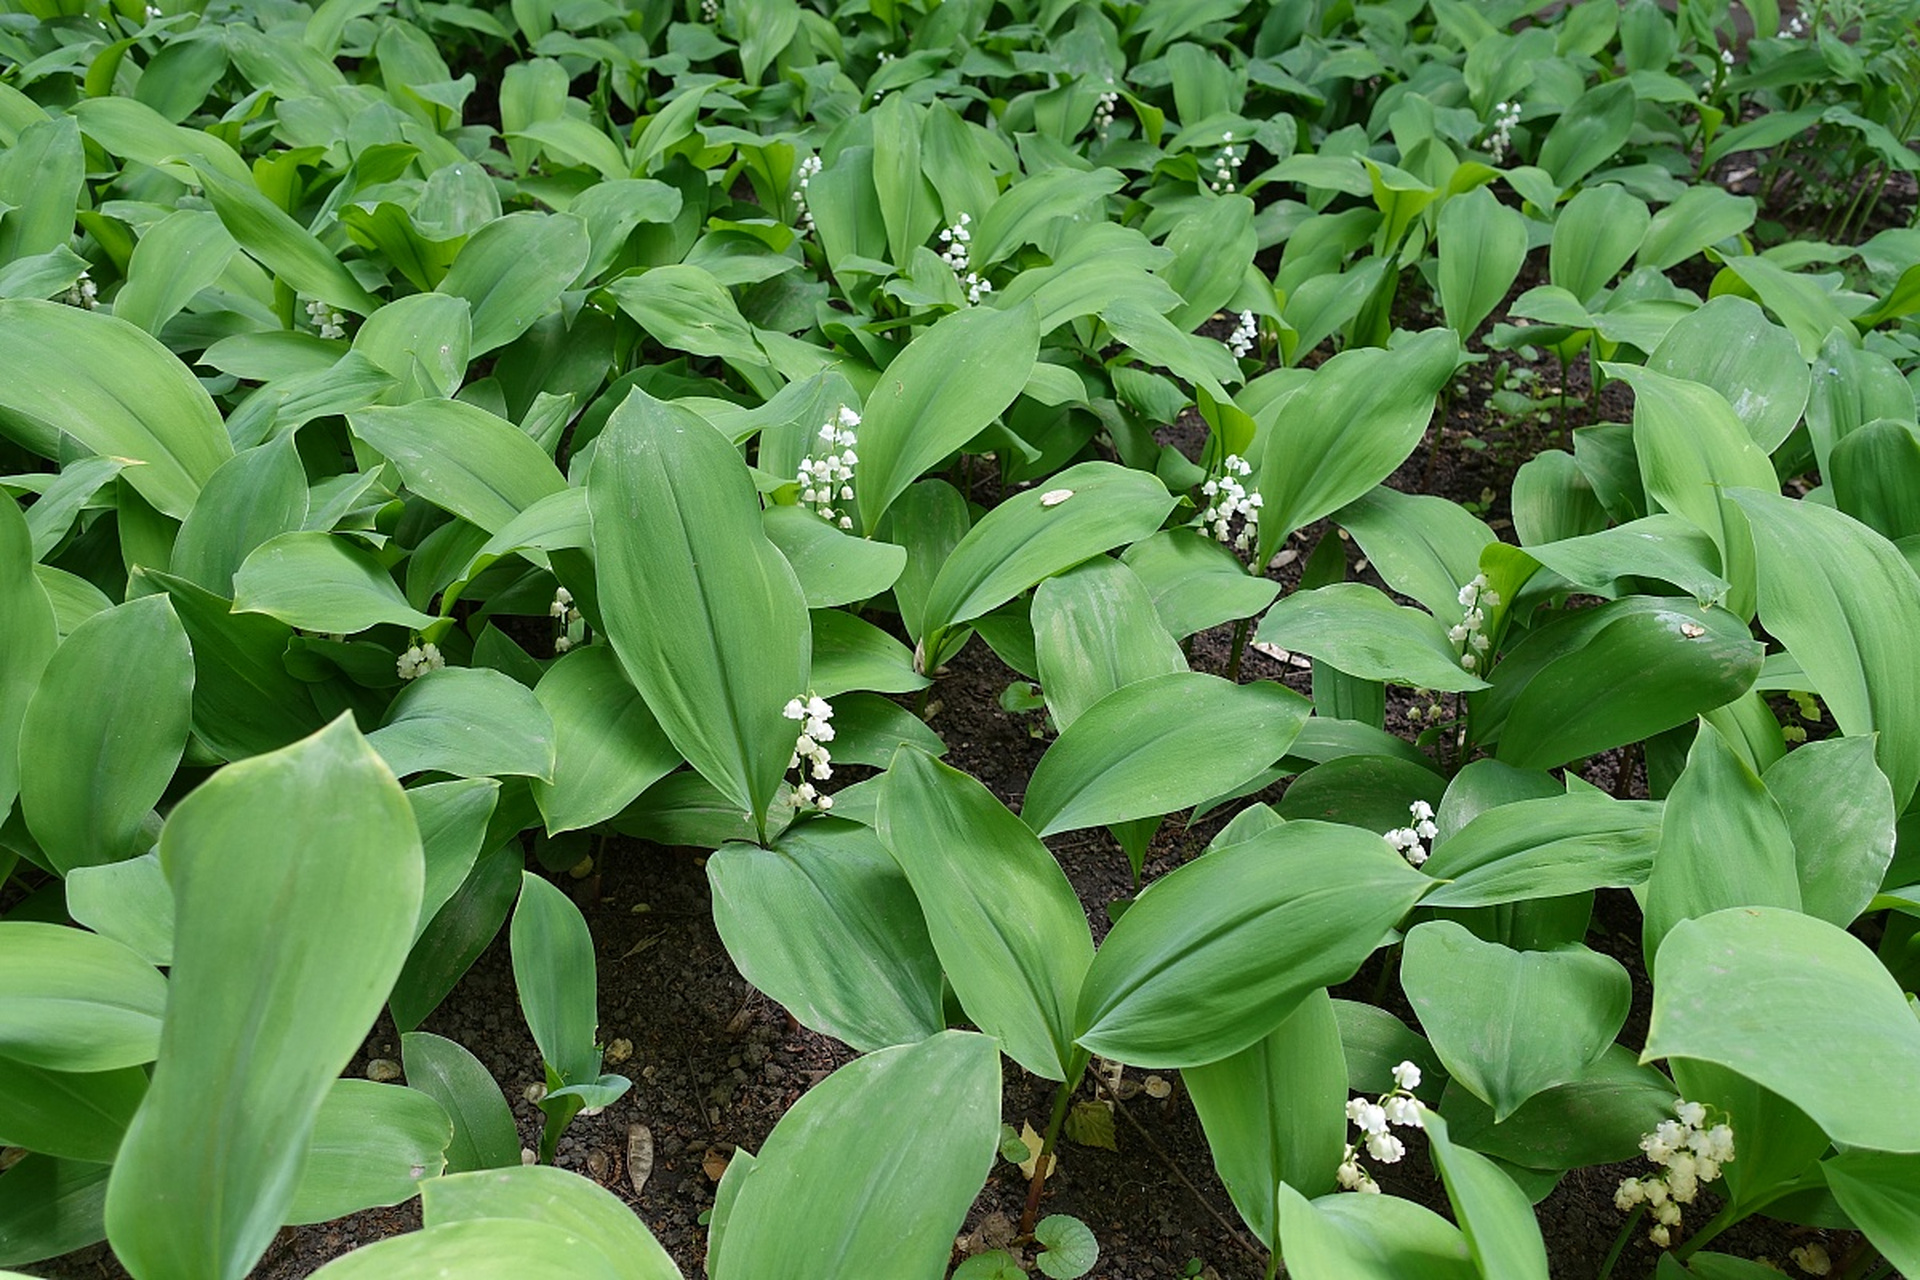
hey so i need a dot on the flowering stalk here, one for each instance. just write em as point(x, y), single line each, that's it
point(1396, 1106)
point(329, 323)
point(1505, 116)
point(1415, 843)
point(573, 630)
point(810, 750)
point(1226, 166)
point(1241, 341)
point(1103, 110)
point(1470, 632)
point(1691, 1151)
point(1227, 499)
point(420, 659)
point(829, 479)
point(808, 169)
point(959, 255)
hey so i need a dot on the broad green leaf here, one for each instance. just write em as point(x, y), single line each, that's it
point(597, 1222)
point(27, 640)
point(1665, 547)
point(1422, 546)
point(98, 750)
point(73, 1115)
point(1216, 954)
point(423, 340)
point(127, 901)
point(453, 818)
point(467, 721)
point(41, 177)
point(1718, 804)
point(825, 922)
point(1778, 1143)
point(1733, 983)
point(891, 1208)
point(1702, 217)
point(296, 879)
point(1799, 302)
point(1157, 745)
point(716, 651)
point(483, 1249)
point(553, 971)
point(1007, 926)
point(685, 309)
point(1509, 1024)
point(1842, 600)
point(834, 568)
point(457, 934)
point(258, 494)
point(1502, 1234)
point(1347, 429)
point(1874, 472)
point(115, 390)
point(1852, 387)
point(74, 1001)
point(1361, 631)
point(1595, 1119)
point(1272, 1112)
point(462, 459)
point(1094, 630)
point(1585, 135)
point(608, 748)
point(1593, 236)
point(176, 258)
point(1546, 847)
point(50, 1207)
point(1731, 346)
point(483, 1129)
point(280, 244)
point(909, 206)
point(1027, 538)
point(851, 653)
point(1212, 249)
point(1195, 582)
point(319, 582)
point(1839, 807)
point(372, 1145)
point(1363, 1237)
point(1022, 213)
point(1481, 246)
point(1881, 1193)
point(1361, 790)
point(512, 270)
point(949, 384)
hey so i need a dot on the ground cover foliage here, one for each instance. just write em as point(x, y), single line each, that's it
point(443, 437)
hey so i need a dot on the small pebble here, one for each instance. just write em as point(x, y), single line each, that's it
point(383, 1070)
point(619, 1051)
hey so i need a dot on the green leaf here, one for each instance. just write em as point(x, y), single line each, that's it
point(127, 901)
point(484, 1136)
point(1842, 600)
point(1881, 1193)
point(27, 640)
point(462, 459)
point(949, 384)
point(1216, 954)
point(1195, 582)
point(512, 270)
point(823, 1198)
point(597, 1223)
point(1071, 1250)
point(1702, 217)
point(99, 750)
point(1731, 346)
point(372, 1145)
point(177, 257)
point(1595, 1119)
point(825, 922)
point(1665, 547)
point(1510, 1024)
point(851, 653)
point(255, 495)
point(280, 244)
point(1585, 135)
point(41, 179)
point(1007, 926)
point(74, 1001)
point(1503, 1237)
point(716, 652)
point(833, 567)
point(1157, 745)
point(1365, 1237)
point(1544, 848)
point(685, 309)
point(69, 1114)
point(115, 390)
point(1272, 1112)
point(1361, 631)
point(296, 879)
point(1482, 244)
point(1212, 249)
point(1423, 547)
point(1347, 429)
point(467, 721)
point(1874, 472)
point(1799, 302)
point(457, 934)
point(1025, 539)
point(553, 970)
point(1732, 984)
point(1717, 804)
point(1094, 630)
point(1593, 236)
point(49, 1207)
point(320, 582)
point(607, 746)
point(1839, 807)
point(487, 1249)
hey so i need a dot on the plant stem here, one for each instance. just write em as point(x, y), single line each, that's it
point(1061, 1098)
point(1720, 1221)
point(1620, 1242)
point(1239, 646)
point(1862, 1264)
point(1273, 1264)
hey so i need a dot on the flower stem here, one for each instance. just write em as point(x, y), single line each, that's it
point(1239, 647)
point(1720, 1221)
point(1620, 1242)
point(1061, 1098)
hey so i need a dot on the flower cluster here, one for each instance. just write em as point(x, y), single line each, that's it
point(1795, 28)
point(329, 322)
point(1692, 1152)
point(957, 255)
point(1229, 498)
point(1397, 1106)
point(709, 10)
point(85, 293)
point(808, 168)
point(1505, 116)
point(1726, 57)
point(1242, 339)
point(1470, 632)
point(829, 478)
point(1226, 165)
point(1103, 111)
point(419, 660)
point(562, 611)
point(810, 749)
point(1415, 842)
